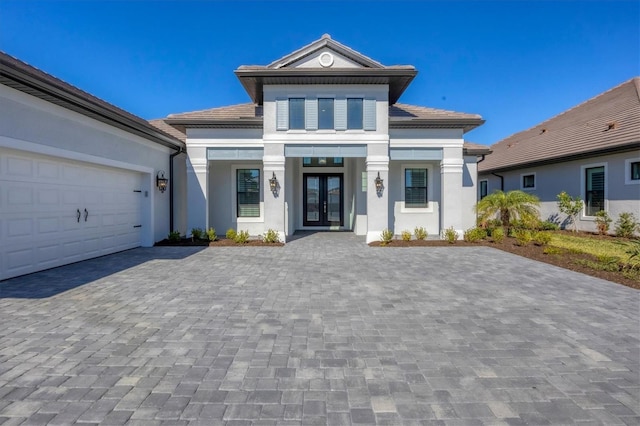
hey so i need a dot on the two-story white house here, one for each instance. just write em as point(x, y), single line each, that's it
point(325, 145)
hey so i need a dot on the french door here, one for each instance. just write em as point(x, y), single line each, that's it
point(323, 199)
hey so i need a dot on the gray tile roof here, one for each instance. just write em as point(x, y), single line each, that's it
point(21, 76)
point(606, 123)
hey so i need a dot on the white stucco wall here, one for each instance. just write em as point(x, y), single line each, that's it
point(620, 194)
point(31, 124)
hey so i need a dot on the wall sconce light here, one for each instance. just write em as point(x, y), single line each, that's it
point(273, 183)
point(379, 184)
point(161, 181)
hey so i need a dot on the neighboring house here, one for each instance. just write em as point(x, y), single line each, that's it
point(591, 151)
point(78, 176)
point(325, 145)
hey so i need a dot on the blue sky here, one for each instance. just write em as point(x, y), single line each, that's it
point(516, 63)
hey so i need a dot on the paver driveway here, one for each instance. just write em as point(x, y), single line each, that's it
point(324, 330)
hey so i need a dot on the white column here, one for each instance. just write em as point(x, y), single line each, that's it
point(274, 202)
point(377, 202)
point(197, 193)
point(451, 190)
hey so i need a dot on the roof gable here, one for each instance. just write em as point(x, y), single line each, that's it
point(607, 122)
point(325, 53)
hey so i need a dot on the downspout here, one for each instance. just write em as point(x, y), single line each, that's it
point(501, 181)
point(171, 157)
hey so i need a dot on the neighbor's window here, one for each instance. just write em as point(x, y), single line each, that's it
point(594, 190)
point(483, 189)
point(355, 111)
point(325, 113)
point(635, 170)
point(415, 188)
point(296, 113)
point(528, 181)
point(248, 192)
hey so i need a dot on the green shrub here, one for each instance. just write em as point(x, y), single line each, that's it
point(571, 206)
point(231, 234)
point(552, 250)
point(196, 234)
point(174, 236)
point(386, 237)
point(541, 238)
point(420, 233)
point(451, 235)
point(241, 237)
point(406, 235)
point(211, 234)
point(473, 235)
point(602, 222)
point(497, 235)
point(271, 236)
point(547, 225)
point(626, 225)
point(523, 237)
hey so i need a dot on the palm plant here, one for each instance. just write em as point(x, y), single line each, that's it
point(507, 206)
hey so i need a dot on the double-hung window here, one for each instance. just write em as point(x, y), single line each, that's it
point(296, 113)
point(415, 188)
point(248, 192)
point(594, 190)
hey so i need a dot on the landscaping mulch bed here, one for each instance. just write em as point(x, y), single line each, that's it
point(564, 259)
point(222, 242)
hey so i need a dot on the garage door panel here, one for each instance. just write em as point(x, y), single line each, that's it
point(39, 200)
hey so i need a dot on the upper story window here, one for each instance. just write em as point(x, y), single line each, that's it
point(355, 111)
point(326, 114)
point(296, 113)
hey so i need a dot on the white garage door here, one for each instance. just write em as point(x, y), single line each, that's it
point(55, 211)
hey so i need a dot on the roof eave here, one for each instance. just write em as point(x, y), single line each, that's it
point(35, 86)
point(466, 124)
point(207, 123)
point(398, 79)
point(561, 159)
point(477, 151)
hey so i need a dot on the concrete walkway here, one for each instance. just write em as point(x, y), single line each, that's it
point(322, 331)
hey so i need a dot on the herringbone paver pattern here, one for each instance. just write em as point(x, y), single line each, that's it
point(322, 331)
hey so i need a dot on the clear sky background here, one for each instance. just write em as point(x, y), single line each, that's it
point(516, 63)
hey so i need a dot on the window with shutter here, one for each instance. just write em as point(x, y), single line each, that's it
point(296, 113)
point(325, 113)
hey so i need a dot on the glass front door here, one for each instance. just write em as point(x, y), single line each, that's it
point(323, 205)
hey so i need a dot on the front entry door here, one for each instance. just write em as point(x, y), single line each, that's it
point(323, 201)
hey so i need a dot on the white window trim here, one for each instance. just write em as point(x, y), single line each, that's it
point(627, 171)
point(583, 194)
point(430, 203)
point(535, 181)
point(234, 193)
point(480, 187)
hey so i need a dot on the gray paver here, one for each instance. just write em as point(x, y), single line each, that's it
point(322, 331)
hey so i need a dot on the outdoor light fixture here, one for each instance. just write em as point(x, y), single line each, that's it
point(273, 183)
point(161, 181)
point(379, 184)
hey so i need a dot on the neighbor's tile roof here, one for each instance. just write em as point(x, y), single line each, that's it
point(175, 131)
point(608, 121)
